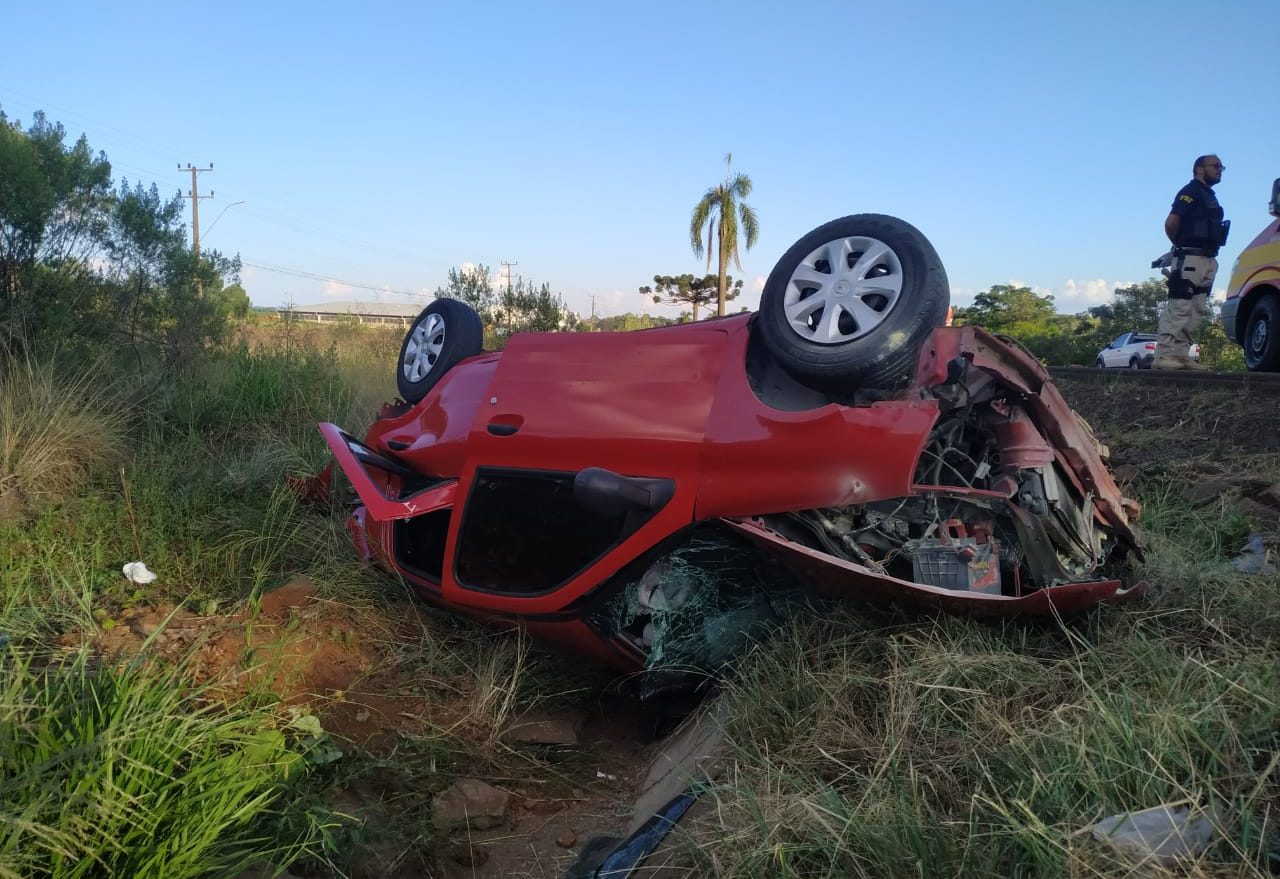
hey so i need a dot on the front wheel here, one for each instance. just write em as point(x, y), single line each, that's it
point(446, 332)
point(1262, 336)
point(1100, 364)
point(850, 303)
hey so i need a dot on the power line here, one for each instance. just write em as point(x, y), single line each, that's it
point(287, 221)
point(312, 276)
point(36, 105)
point(259, 199)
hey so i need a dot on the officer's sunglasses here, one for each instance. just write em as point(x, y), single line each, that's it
point(1218, 165)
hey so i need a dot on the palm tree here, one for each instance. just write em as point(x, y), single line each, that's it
point(724, 214)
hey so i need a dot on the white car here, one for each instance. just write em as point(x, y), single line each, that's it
point(1133, 351)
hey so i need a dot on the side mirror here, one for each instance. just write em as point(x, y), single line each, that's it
point(609, 494)
point(1275, 198)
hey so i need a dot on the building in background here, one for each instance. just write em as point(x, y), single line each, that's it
point(386, 313)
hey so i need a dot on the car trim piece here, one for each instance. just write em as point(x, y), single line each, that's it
point(845, 579)
point(382, 508)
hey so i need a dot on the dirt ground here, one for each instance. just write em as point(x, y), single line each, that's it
point(1210, 442)
point(1160, 425)
point(316, 656)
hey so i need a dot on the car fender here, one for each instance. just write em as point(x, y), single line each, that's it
point(1018, 370)
point(1260, 283)
point(380, 507)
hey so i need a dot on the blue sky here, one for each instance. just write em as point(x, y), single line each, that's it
point(380, 143)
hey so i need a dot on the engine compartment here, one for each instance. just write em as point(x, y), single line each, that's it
point(995, 508)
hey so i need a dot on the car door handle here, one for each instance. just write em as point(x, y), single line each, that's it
point(505, 424)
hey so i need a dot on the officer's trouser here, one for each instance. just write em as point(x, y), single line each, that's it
point(1190, 282)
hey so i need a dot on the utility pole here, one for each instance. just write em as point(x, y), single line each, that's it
point(593, 305)
point(194, 194)
point(508, 266)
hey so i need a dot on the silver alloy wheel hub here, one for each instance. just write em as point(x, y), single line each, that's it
point(1260, 336)
point(423, 348)
point(843, 290)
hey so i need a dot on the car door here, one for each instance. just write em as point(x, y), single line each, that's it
point(1115, 355)
point(630, 408)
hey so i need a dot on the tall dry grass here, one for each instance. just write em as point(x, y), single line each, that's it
point(56, 431)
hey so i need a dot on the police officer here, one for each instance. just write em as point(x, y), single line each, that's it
point(1196, 228)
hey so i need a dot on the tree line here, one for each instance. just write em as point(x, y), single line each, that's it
point(83, 257)
point(1064, 339)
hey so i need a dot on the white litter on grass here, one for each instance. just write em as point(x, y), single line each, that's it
point(137, 573)
point(1254, 557)
point(1162, 833)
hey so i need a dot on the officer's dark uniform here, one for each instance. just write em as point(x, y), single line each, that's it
point(1201, 231)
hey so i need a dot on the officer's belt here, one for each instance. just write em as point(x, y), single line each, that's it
point(1195, 251)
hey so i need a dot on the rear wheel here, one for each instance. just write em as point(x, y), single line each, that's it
point(1262, 335)
point(446, 332)
point(1135, 363)
point(850, 302)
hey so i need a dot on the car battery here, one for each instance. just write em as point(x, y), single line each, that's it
point(958, 560)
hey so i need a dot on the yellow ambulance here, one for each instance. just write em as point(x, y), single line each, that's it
point(1251, 312)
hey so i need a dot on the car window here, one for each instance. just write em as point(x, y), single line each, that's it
point(1142, 337)
point(524, 532)
point(1119, 341)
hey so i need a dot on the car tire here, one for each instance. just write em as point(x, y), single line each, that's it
point(1100, 363)
point(1135, 363)
point(860, 326)
point(1262, 335)
point(446, 332)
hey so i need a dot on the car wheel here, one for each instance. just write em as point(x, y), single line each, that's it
point(851, 302)
point(1100, 364)
point(446, 332)
point(1262, 336)
point(1135, 363)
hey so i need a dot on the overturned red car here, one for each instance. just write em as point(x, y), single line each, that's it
point(648, 496)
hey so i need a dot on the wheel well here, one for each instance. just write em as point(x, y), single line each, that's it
point(1246, 306)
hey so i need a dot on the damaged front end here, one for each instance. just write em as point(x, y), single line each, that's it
point(1012, 509)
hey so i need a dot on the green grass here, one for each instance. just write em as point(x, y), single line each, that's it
point(127, 771)
point(884, 746)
